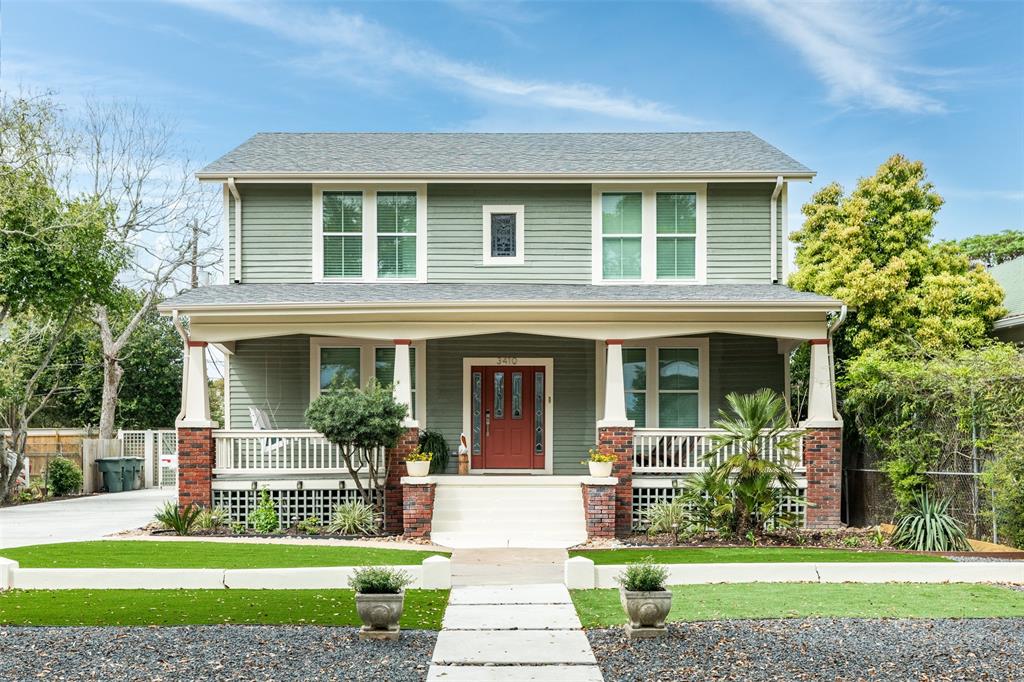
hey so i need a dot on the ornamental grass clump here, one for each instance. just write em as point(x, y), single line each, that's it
point(379, 580)
point(927, 526)
point(354, 518)
point(667, 517)
point(182, 520)
point(213, 518)
point(643, 576)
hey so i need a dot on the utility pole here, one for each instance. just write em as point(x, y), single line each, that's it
point(195, 253)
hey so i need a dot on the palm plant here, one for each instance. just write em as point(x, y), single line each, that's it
point(754, 422)
point(927, 526)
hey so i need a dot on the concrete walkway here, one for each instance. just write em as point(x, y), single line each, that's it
point(507, 566)
point(83, 518)
point(514, 632)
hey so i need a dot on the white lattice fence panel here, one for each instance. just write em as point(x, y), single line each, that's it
point(653, 491)
point(292, 505)
point(167, 458)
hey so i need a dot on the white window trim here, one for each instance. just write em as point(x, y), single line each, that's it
point(367, 358)
point(549, 407)
point(369, 233)
point(648, 233)
point(703, 346)
point(520, 257)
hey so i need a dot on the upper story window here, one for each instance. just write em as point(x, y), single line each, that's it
point(650, 234)
point(504, 233)
point(369, 233)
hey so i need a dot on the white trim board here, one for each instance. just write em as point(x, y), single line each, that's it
point(549, 408)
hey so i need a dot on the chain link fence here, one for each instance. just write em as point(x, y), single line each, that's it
point(870, 500)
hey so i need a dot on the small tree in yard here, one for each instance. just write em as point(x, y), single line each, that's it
point(360, 422)
point(758, 483)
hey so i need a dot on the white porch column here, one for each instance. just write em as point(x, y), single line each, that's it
point(195, 395)
point(614, 388)
point(403, 380)
point(821, 406)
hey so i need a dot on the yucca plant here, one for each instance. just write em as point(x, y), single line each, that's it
point(667, 517)
point(754, 421)
point(215, 517)
point(354, 518)
point(182, 520)
point(927, 526)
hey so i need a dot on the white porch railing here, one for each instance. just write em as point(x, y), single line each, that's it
point(280, 452)
point(671, 451)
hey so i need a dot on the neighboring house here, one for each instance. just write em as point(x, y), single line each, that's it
point(1010, 276)
point(539, 293)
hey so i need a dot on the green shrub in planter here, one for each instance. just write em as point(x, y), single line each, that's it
point(264, 518)
point(379, 580)
point(643, 576)
point(354, 518)
point(927, 526)
point(63, 477)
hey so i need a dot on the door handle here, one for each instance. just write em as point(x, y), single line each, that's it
point(487, 422)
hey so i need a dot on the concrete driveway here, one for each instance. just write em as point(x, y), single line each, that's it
point(84, 518)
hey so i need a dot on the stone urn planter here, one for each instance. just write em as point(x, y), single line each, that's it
point(380, 614)
point(646, 612)
point(600, 469)
point(418, 468)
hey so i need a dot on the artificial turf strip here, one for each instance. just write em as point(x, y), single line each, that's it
point(601, 608)
point(185, 554)
point(747, 555)
point(423, 608)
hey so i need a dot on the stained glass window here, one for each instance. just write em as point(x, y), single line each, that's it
point(477, 396)
point(503, 235)
point(517, 395)
point(538, 413)
point(499, 395)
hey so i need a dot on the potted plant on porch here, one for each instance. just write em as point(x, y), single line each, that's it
point(417, 462)
point(380, 598)
point(645, 599)
point(600, 463)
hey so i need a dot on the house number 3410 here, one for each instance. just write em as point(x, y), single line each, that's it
point(508, 360)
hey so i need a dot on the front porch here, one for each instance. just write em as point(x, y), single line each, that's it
point(529, 392)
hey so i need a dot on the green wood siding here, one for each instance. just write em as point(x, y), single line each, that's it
point(273, 375)
point(742, 364)
point(739, 232)
point(557, 233)
point(574, 368)
point(277, 233)
point(1010, 276)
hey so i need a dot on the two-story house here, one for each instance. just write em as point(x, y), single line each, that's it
point(538, 293)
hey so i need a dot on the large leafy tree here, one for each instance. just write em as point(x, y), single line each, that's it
point(993, 249)
point(56, 262)
point(872, 249)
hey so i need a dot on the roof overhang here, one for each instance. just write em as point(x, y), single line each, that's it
point(732, 176)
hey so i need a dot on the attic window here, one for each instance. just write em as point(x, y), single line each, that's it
point(503, 235)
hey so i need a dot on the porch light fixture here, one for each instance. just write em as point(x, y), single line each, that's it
point(298, 485)
point(255, 485)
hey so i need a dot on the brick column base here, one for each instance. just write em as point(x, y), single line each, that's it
point(417, 509)
point(394, 511)
point(599, 510)
point(618, 440)
point(823, 457)
point(195, 466)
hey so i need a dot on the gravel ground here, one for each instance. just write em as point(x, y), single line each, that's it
point(819, 649)
point(210, 652)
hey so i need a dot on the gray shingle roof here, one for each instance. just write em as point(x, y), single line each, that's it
point(504, 153)
point(340, 294)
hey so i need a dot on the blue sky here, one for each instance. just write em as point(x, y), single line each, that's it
point(839, 86)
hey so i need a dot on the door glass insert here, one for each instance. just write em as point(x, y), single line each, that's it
point(538, 413)
point(478, 382)
point(499, 395)
point(517, 395)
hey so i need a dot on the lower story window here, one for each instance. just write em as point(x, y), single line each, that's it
point(662, 386)
point(338, 367)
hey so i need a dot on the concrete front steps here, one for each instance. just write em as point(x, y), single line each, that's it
point(529, 511)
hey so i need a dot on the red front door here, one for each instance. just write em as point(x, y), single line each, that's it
point(508, 417)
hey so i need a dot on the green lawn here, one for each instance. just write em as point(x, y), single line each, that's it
point(423, 608)
point(745, 555)
point(601, 608)
point(196, 554)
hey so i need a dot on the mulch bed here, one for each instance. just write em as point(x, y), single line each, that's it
point(818, 649)
point(845, 538)
point(211, 652)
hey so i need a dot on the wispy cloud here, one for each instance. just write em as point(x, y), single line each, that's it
point(858, 49)
point(341, 38)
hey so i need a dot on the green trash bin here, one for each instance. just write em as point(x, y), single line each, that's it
point(111, 468)
point(130, 473)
